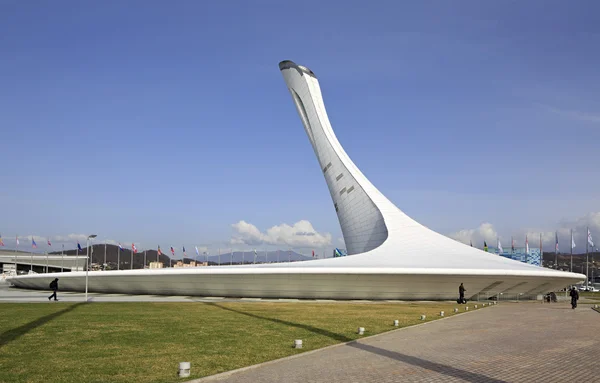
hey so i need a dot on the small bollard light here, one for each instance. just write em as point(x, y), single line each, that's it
point(298, 343)
point(396, 322)
point(441, 313)
point(184, 369)
point(455, 310)
point(361, 330)
point(483, 305)
point(475, 306)
point(595, 306)
point(423, 317)
point(466, 308)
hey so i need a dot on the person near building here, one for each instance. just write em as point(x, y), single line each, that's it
point(574, 297)
point(54, 288)
point(461, 294)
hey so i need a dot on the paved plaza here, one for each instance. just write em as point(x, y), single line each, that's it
point(510, 342)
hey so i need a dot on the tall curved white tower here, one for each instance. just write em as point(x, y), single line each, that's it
point(366, 216)
point(357, 202)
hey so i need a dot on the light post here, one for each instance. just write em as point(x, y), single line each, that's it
point(92, 236)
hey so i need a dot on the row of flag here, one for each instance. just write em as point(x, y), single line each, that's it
point(500, 249)
point(33, 243)
point(133, 247)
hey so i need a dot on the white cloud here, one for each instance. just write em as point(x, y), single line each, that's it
point(573, 114)
point(485, 232)
point(301, 235)
point(38, 239)
point(70, 238)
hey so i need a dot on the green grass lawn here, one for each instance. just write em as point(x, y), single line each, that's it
point(144, 342)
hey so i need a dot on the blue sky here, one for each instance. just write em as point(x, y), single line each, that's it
point(169, 122)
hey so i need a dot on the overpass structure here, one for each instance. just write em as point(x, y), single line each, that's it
point(390, 255)
point(17, 262)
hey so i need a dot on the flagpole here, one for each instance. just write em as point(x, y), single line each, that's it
point(119, 257)
point(76, 258)
point(104, 253)
point(231, 258)
point(556, 252)
point(587, 264)
point(571, 250)
point(62, 258)
point(219, 256)
point(132, 257)
point(144, 259)
point(278, 255)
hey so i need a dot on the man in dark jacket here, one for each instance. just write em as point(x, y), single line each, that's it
point(461, 293)
point(574, 297)
point(54, 287)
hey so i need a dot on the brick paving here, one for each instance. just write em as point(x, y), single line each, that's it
point(511, 342)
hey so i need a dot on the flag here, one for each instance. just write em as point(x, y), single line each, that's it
point(485, 248)
point(500, 250)
point(79, 246)
point(120, 247)
point(590, 238)
point(313, 253)
point(572, 241)
point(49, 244)
point(159, 252)
point(17, 241)
point(197, 251)
point(1, 241)
point(526, 245)
point(172, 250)
point(512, 244)
point(34, 245)
point(133, 248)
point(184, 254)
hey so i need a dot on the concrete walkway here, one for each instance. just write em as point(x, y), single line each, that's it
point(511, 342)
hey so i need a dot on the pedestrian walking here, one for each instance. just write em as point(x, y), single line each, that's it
point(461, 294)
point(574, 297)
point(54, 288)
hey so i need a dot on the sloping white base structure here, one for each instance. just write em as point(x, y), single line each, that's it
point(391, 256)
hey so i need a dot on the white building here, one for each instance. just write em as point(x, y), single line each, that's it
point(390, 255)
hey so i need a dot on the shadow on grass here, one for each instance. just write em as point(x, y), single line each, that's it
point(414, 361)
point(316, 330)
point(15, 333)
